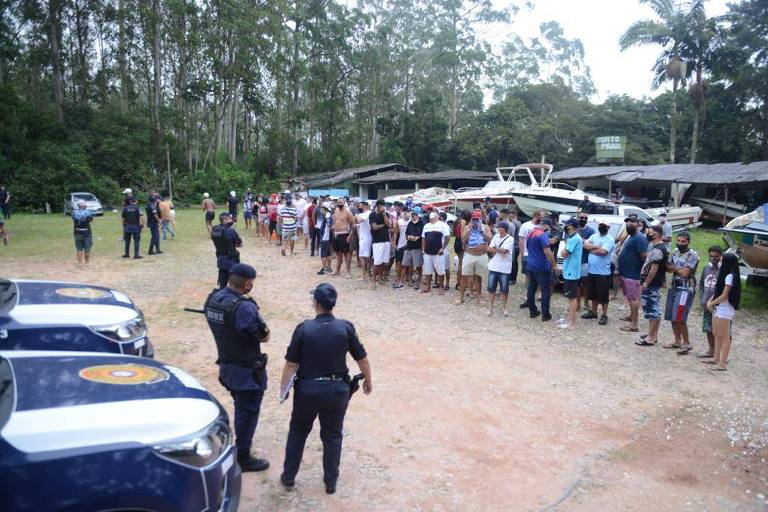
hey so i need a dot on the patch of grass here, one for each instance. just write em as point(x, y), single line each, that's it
point(752, 297)
point(50, 237)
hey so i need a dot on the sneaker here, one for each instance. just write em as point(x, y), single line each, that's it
point(589, 315)
point(330, 488)
point(126, 256)
point(321, 272)
point(603, 320)
point(137, 257)
point(287, 483)
point(562, 325)
point(546, 318)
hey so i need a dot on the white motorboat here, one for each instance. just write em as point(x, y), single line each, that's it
point(682, 217)
point(747, 236)
point(424, 195)
point(499, 191)
point(543, 194)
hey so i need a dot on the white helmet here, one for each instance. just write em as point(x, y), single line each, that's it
point(287, 192)
point(127, 191)
point(232, 193)
point(206, 195)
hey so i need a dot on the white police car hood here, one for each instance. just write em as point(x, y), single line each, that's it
point(66, 400)
point(51, 303)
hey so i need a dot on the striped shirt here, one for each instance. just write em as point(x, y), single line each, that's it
point(289, 215)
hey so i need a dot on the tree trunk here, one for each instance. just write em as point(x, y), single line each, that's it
point(695, 135)
point(295, 96)
point(81, 32)
point(672, 123)
point(157, 93)
point(121, 64)
point(54, 21)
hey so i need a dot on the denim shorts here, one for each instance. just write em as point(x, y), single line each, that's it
point(496, 280)
point(651, 301)
point(325, 248)
point(83, 242)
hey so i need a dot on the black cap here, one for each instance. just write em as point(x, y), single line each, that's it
point(547, 221)
point(632, 217)
point(224, 215)
point(325, 295)
point(572, 222)
point(243, 270)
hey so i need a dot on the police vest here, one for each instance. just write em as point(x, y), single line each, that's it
point(233, 347)
point(132, 214)
point(224, 245)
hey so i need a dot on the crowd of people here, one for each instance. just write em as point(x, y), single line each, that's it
point(409, 246)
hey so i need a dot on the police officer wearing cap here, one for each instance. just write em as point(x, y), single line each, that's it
point(239, 330)
point(226, 241)
point(133, 222)
point(317, 355)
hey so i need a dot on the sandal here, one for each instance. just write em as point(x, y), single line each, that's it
point(626, 319)
point(684, 350)
point(717, 369)
point(671, 346)
point(629, 329)
point(705, 355)
point(643, 343)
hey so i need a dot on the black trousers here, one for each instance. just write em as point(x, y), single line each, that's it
point(154, 241)
point(247, 408)
point(327, 400)
point(314, 240)
point(136, 242)
point(513, 278)
point(6, 209)
point(223, 278)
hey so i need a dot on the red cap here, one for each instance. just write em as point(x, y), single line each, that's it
point(477, 214)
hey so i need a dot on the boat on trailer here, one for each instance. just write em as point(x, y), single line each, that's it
point(747, 236)
point(544, 194)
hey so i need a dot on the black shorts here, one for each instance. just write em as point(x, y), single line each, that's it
point(272, 226)
point(458, 247)
point(340, 243)
point(597, 288)
point(209, 215)
point(570, 288)
point(325, 248)
point(399, 254)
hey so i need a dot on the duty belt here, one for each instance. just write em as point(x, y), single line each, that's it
point(327, 377)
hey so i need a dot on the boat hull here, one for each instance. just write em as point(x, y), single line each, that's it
point(529, 202)
point(715, 208)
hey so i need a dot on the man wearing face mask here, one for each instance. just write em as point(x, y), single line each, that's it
point(239, 330)
point(226, 241)
point(682, 264)
point(600, 245)
point(667, 228)
point(584, 231)
point(652, 277)
point(631, 258)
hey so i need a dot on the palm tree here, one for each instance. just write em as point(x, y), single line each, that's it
point(675, 23)
point(700, 51)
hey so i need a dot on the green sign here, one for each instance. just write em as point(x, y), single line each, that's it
point(610, 148)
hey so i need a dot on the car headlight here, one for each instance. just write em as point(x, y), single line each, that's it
point(200, 449)
point(124, 331)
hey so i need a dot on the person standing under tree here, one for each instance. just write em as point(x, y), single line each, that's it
point(707, 284)
point(5, 202)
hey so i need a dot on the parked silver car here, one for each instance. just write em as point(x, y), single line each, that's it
point(92, 203)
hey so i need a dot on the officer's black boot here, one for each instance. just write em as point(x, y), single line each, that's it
point(250, 463)
point(330, 487)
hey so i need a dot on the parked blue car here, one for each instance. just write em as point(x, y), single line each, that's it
point(49, 315)
point(94, 431)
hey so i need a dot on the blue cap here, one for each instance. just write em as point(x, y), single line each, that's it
point(547, 221)
point(243, 270)
point(573, 222)
point(325, 295)
point(504, 225)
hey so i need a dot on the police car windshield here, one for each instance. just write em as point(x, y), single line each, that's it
point(8, 293)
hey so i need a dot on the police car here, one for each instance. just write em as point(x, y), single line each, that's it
point(86, 431)
point(48, 315)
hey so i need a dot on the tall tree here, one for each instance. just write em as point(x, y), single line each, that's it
point(673, 27)
point(54, 41)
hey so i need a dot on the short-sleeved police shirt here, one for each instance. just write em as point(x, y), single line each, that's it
point(320, 346)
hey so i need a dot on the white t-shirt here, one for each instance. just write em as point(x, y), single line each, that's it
point(364, 227)
point(525, 230)
point(402, 224)
point(502, 262)
point(725, 309)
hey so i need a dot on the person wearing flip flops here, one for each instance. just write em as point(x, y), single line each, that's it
point(600, 245)
point(682, 264)
point(723, 306)
point(652, 278)
point(633, 253)
point(707, 284)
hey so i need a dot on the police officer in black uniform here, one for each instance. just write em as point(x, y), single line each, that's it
point(317, 356)
point(226, 241)
point(153, 223)
point(133, 221)
point(239, 330)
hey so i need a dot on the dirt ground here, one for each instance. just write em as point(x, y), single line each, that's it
point(467, 412)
